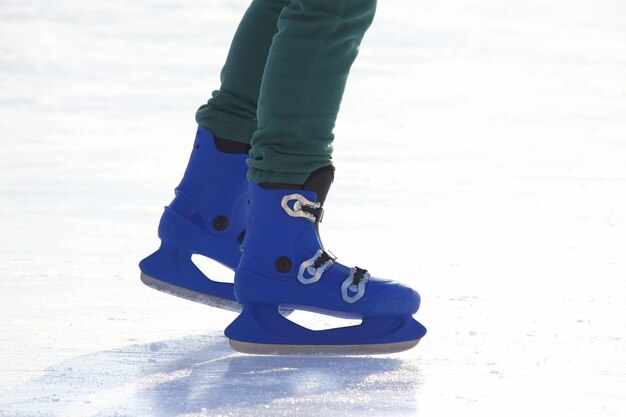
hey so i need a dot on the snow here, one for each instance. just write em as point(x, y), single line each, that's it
point(481, 159)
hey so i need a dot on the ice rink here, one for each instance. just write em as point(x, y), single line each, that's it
point(481, 158)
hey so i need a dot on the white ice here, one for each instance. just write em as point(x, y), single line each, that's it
point(481, 154)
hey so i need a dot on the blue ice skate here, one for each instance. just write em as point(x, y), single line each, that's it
point(206, 217)
point(284, 266)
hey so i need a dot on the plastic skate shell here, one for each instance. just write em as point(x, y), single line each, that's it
point(280, 246)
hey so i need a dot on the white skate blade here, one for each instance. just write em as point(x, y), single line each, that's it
point(275, 349)
point(190, 295)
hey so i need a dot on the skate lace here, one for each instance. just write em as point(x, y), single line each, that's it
point(360, 274)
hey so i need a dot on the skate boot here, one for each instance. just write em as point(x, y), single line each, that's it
point(284, 266)
point(206, 217)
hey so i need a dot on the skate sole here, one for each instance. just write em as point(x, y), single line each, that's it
point(279, 349)
point(190, 295)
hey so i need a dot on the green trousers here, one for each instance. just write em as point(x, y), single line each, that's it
point(282, 83)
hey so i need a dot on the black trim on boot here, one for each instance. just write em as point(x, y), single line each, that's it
point(230, 146)
point(319, 182)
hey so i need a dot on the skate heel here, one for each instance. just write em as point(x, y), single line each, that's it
point(170, 270)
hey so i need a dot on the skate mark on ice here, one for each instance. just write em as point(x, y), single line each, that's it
point(200, 375)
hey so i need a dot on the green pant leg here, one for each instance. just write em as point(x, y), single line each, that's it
point(302, 87)
point(231, 112)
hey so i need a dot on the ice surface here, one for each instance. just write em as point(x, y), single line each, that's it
point(481, 158)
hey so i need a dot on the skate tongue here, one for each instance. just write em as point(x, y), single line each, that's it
point(229, 146)
point(319, 182)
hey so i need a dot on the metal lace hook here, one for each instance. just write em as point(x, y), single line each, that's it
point(348, 284)
point(308, 266)
point(300, 201)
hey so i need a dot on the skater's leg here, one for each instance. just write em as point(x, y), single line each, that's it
point(303, 83)
point(231, 112)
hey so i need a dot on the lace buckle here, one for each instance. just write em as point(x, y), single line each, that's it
point(315, 267)
point(312, 211)
point(355, 283)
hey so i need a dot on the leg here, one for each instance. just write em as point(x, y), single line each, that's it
point(232, 111)
point(302, 87)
